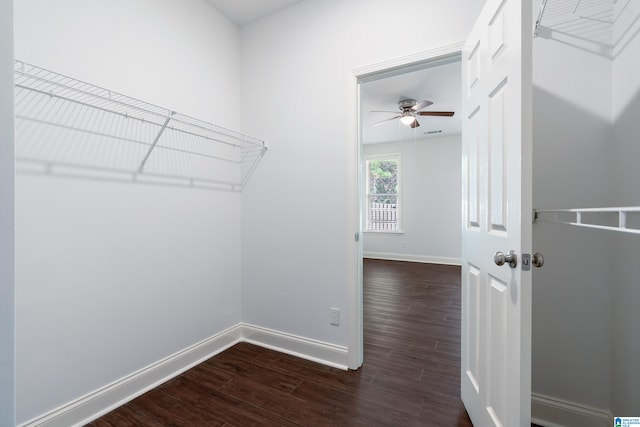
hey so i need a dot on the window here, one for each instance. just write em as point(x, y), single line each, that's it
point(383, 193)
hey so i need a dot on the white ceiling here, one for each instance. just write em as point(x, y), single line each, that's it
point(440, 84)
point(243, 12)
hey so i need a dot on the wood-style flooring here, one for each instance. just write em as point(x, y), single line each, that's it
point(410, 377)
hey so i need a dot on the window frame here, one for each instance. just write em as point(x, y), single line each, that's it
point(367, 196)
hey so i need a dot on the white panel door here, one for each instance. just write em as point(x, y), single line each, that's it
point(496, 300)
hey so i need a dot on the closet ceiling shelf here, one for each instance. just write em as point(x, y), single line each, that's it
point(61, 120)
point(587, 21)
point(622, 219)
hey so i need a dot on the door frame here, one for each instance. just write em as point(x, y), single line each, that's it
point(356, 77)
point(7, 221)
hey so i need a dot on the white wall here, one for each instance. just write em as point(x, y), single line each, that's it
point(112, 276)
point(7, 284)
point(431, 202)
point(626, 175)
point(572, 293)
point(298, 216)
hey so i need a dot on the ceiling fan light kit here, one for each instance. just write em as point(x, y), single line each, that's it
point(407, 119)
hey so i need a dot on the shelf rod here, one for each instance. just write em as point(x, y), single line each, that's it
point(155, 142)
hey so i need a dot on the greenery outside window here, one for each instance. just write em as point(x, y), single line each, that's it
point(383, 193)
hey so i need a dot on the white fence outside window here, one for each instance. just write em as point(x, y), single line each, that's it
point(382, 212)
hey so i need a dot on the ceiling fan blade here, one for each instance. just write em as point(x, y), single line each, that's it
point(385, 120)
point(415, 124)
point(436, 113)
point(420, 105)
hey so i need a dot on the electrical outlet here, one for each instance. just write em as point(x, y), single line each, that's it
point(335, 316)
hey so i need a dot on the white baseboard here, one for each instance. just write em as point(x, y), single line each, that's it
point(91, 406)
point(413, 258)
point(552, 412)
point(305, 348)
point(109, 397)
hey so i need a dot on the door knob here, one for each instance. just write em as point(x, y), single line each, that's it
point(510, 258)
point(537, 260)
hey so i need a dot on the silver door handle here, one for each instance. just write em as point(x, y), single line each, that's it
point(510, 258)
point(537, 260)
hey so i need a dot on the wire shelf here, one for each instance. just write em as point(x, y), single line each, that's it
point(63, 123)
point(583, 23)
point(621, 219)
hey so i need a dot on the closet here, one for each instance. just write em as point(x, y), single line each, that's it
point(129, 198)
point(587, 210)
point(126, 212)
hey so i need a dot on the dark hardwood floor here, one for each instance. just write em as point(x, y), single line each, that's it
point(410, 377)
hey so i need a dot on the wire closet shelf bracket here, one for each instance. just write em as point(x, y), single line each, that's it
point(64, 124)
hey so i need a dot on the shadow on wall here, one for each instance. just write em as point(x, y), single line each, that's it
point(572, 292)
point(626, 152)
point(626, 252)
point(65, 127)
point(572, 150)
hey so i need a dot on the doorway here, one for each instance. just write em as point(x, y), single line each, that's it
point(412, 194)
point(380, 88)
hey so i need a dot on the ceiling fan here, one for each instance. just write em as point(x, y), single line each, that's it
point(410, 109)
